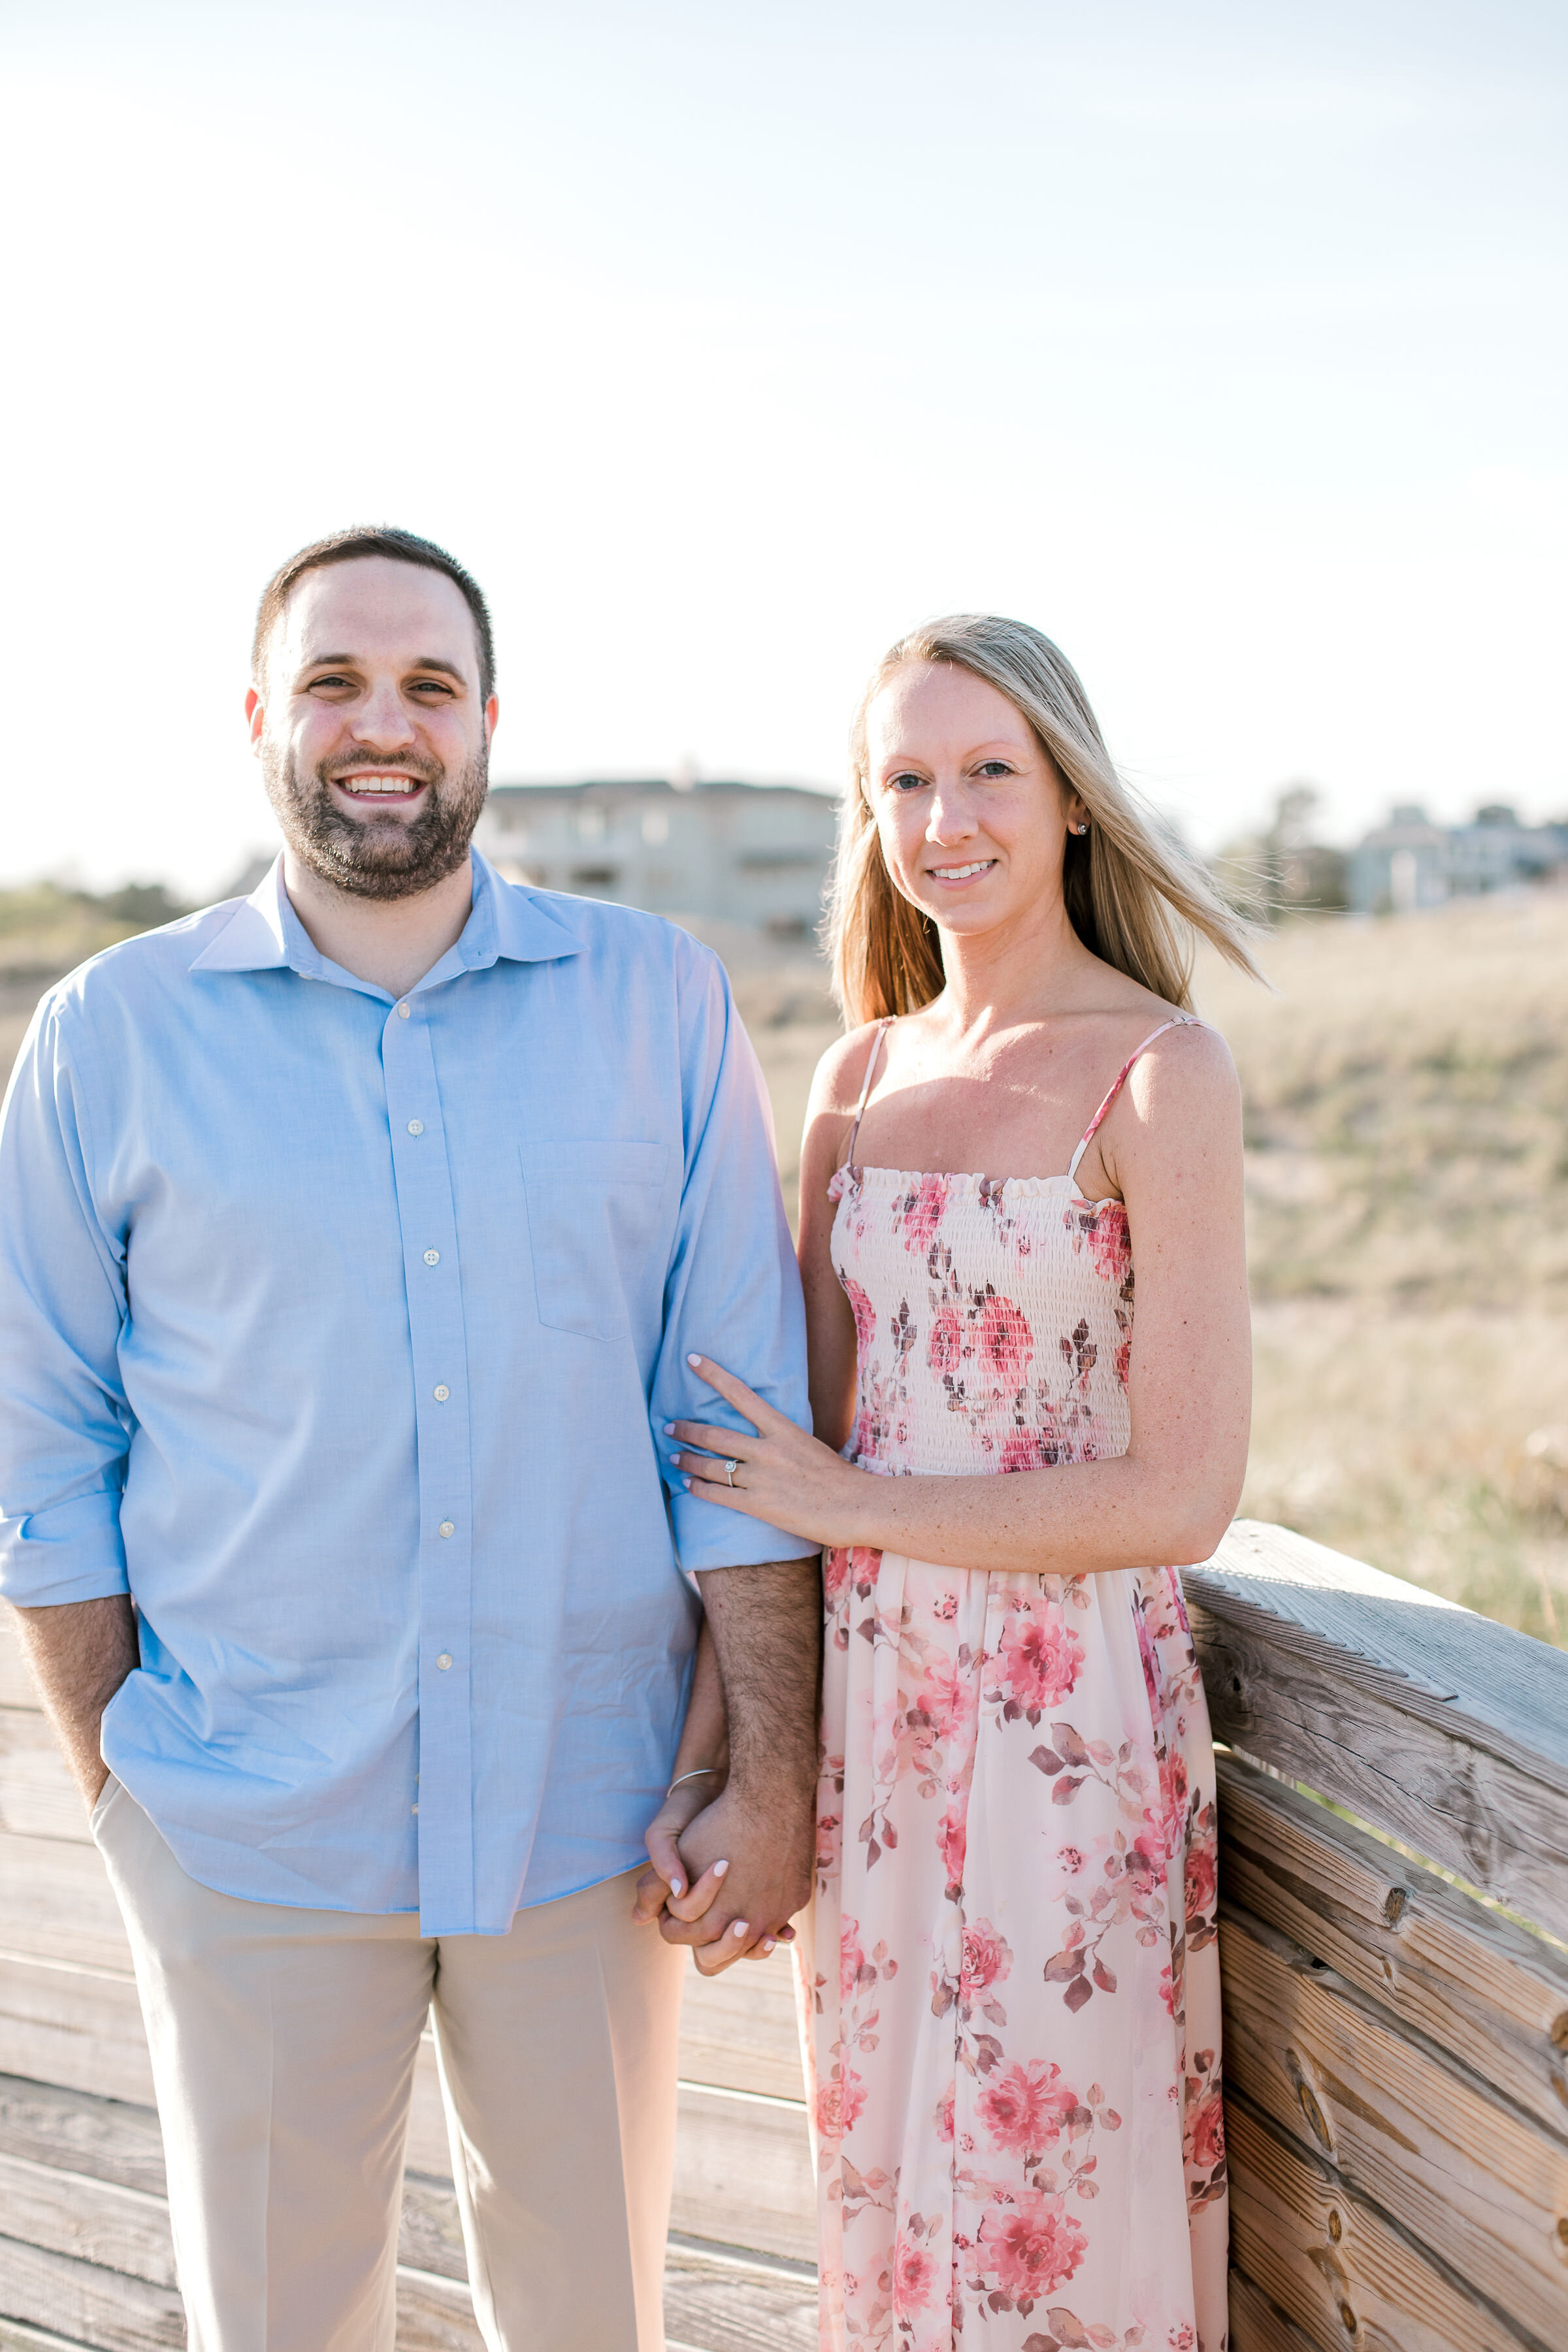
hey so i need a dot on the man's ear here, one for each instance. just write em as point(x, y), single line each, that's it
point(492, 712)
point(255, 717)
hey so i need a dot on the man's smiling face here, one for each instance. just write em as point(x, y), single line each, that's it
point(372, 730)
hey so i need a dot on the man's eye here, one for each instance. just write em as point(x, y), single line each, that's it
point(430, 686)
point(332, 680)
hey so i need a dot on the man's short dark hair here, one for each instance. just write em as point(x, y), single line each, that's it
point(347, 547)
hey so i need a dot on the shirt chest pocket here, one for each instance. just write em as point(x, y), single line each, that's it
point(593, 1220)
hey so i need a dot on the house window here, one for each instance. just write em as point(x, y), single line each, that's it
point(594, 877)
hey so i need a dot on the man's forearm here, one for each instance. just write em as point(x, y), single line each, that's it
point(767, 1630)
point(78, 1655)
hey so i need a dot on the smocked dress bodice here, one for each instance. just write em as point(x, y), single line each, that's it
point(992, 1318)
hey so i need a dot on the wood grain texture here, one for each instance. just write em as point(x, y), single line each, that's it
point(742, 2172)
point(739, 2030)
point(107, 2140)
point(1259, 2326)
point(726, 2303)
point(1479, 1986)
point(1432, 1723)
point(56, 1902)
point(1335, 2263)
point(99, 2220)
point(434, 2314)
point(1460, 2170)
point(103, 2308)
point(16, 2336)
point(37, 1796)
point(81, 2028)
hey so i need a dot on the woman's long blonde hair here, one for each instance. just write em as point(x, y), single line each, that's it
point(1134, 897)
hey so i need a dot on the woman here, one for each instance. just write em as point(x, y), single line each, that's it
point(1015, 1984)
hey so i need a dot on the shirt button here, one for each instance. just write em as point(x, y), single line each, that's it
point(447, 1528)
point(403, 1011)
point(432, 1257)
point(444, 1660)
point(415, 1127)
point(442, 1393)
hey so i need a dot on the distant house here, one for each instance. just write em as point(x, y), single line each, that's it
point(751, 854)
point(1410, 862)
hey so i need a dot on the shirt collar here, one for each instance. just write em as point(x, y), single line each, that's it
point(264, 933)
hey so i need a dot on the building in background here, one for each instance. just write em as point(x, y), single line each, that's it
point(756, 855)
point(1410, 863)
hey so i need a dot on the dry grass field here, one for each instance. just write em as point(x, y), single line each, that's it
point(1406, 1095)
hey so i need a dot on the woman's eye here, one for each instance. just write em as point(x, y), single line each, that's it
point(908, 783)
point(994, 768)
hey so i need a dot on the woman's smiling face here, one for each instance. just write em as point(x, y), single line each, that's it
point(971, 812)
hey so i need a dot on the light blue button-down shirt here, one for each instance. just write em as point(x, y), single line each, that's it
point(341, 1331)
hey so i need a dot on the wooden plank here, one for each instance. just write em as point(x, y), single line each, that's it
point(55, 1903)
point(107, 2140)
point(1259, 2326)
point(37, 1796)
point(1334, 2262)
point(81, 2028)
point(727, 2303)
point(742, 2172)
point(434, 2314)
point(103, 2308)
point(1491, 1995)
point(1459, 2169)
point(17, 2336)
point(101, 2222)
point(739, 2030)
point(1432, 1723)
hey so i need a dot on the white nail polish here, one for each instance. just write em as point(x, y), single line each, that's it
point(740, 1928)
point(676, 1887)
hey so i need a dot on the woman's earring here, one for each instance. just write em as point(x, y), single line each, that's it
point(1082, 828)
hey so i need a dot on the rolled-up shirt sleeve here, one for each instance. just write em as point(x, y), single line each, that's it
point(64, 1422)
point(733, 1289)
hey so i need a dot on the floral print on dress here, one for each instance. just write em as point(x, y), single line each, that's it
point(1017, 2095)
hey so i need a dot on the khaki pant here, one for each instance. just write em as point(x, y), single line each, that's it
point(283, 2045)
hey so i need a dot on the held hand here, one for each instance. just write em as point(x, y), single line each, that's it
point(667, 1878)
point(779, 1475)
point(767, 1847)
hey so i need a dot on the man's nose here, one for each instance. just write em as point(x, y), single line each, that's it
point(382, 720)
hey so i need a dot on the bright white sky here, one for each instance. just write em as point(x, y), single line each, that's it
point(723, 341)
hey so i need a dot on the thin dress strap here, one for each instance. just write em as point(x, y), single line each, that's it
point(882, 1028)
point(1177, 1021)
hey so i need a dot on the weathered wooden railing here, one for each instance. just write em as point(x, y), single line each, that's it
point(1395, 2048)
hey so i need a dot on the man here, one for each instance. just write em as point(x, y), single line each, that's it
point(355, 1236)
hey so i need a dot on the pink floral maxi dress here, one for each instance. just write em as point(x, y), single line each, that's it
point(1017, 2015)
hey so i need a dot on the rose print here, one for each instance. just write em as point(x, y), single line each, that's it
point(923, 1212)
point(1034, 2246)
point(944, 1343)
point(1039, 1661)
point(1004, 1343)
point(1038, 1894)
point(865, 1318)
point(838, 2102)
point(986, 1958)
point(914, 2273)
point(1024, 2111)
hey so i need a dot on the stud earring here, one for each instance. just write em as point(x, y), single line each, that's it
point(1082, 828)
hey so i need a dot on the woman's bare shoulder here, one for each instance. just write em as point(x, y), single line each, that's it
point(841, 1072)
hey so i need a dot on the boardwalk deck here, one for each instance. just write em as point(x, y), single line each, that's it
point(1398, 2047)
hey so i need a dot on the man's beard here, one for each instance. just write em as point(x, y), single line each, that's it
point(378, 856)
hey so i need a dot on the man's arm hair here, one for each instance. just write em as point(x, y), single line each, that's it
point(78, 1654)
point(767, 1630)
